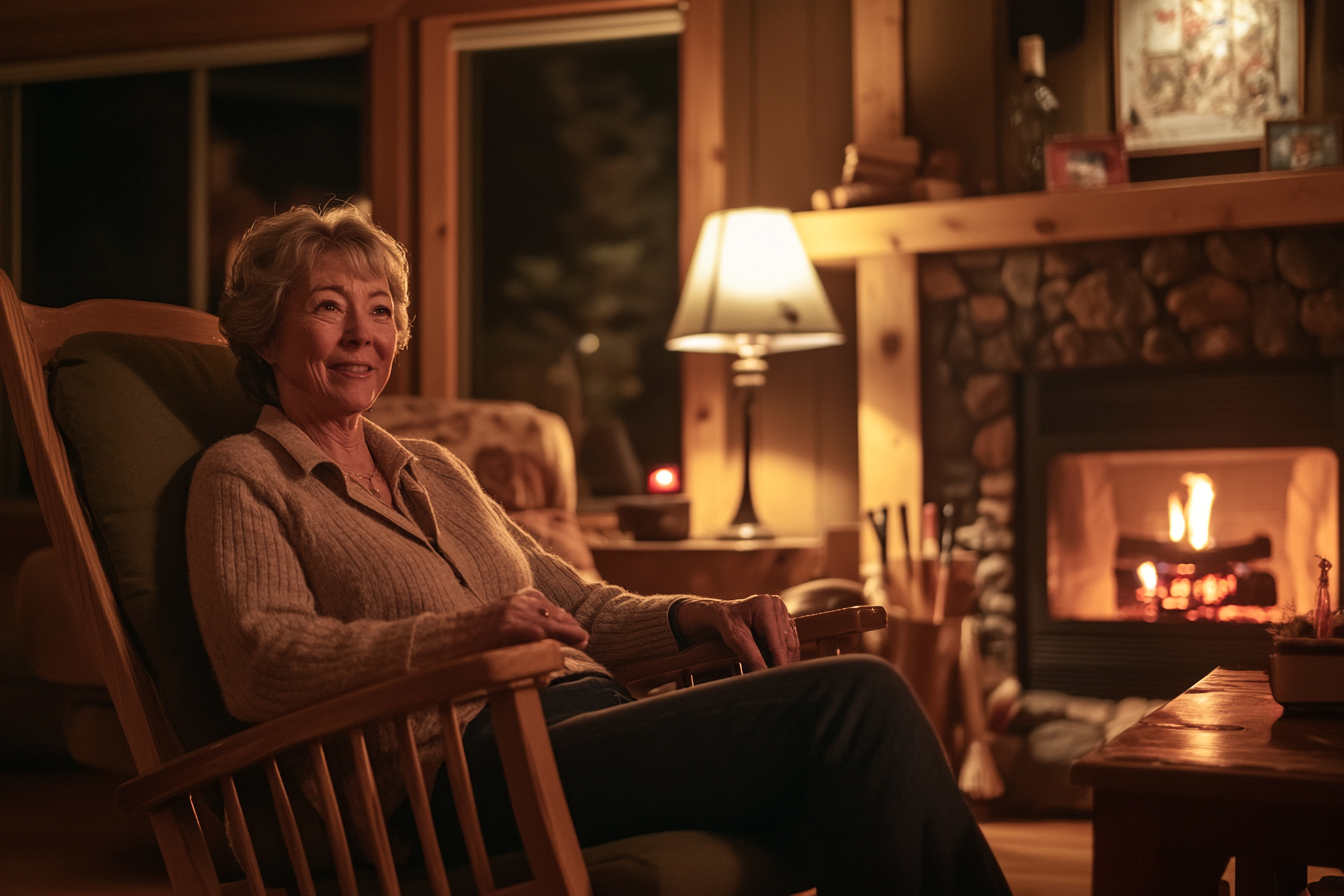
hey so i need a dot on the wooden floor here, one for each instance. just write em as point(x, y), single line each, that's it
point(60, 835)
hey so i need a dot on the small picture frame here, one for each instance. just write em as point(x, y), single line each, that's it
point(1085, 161)
point(1297, 144)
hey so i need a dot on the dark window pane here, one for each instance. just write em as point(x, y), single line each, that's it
point(281, 135)
point(576, 252)
point(105, 189)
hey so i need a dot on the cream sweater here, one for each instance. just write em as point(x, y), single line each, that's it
point(307, 587)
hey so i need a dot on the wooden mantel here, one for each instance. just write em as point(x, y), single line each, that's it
point(883, 244)
point(1191, 205)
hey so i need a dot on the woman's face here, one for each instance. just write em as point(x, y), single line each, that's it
point(333, 349)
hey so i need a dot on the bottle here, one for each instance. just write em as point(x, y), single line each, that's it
point(1031, 113)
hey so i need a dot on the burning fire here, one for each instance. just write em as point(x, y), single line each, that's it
point(1191, 521)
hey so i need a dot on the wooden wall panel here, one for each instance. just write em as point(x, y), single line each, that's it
point(704, 378)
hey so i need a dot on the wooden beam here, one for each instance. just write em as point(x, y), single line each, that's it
point(391, 149)
point(38, 29)
point(891, 451)
point(879, 69)
point(1190, 205)
point(704, 378)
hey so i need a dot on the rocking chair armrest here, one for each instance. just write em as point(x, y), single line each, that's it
point(507, 668)
point(814, 627)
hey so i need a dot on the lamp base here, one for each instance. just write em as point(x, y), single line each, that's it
point(745, 532)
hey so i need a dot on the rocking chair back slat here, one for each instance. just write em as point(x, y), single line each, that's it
point(289, 827)
point(464, 798)
point(331, 815)
point(419, 800)
point(373, 815)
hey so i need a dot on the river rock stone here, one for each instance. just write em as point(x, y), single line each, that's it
point(983, 281)
point(1310, 258)
point(988, 395)
point(1208, 300)
point(1050, 298)
point(1021, 274)
point(998, 352)
point(1112, 300)
point(997, 509)
point(994, 572)
point(983, 535)
point(981, 260)
point(995, 444)
point(1070, 344)
point(1322, 315)
point(1163, 345)
point(1063, 262)
point(1115, 254)
point(1217, 344)
point(998, 484)
point(939, 280)
point(1000, 603)
point(988, 313)
point(1172, 259)
point(1043, 354)
point(1241, 254)
point(1274, 329)
point(963, 351)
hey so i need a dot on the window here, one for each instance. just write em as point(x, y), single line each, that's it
point(573, 254)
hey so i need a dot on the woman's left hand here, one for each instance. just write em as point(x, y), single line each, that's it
point(745, 625)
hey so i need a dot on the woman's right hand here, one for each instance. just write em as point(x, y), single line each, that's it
point(526, 615)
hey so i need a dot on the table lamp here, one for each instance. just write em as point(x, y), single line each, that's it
point(751, 291)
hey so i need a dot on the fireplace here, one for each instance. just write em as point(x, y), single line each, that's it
point(1116, 465)
point(1117, 369)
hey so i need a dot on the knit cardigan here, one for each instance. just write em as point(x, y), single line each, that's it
point(306, 587)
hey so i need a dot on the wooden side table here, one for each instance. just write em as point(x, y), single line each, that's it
point(709, 567)
point(1218, 772)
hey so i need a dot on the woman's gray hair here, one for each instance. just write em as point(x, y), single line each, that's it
point(276, 253)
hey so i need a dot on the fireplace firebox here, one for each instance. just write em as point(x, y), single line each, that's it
point(1168, 513)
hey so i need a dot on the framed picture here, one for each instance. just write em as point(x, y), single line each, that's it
point(1085, 161)
point(1201, 75)
point(1302, 143)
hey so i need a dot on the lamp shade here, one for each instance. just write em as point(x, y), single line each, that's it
point(751, 283)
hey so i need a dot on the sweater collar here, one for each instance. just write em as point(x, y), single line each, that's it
point(388, 453)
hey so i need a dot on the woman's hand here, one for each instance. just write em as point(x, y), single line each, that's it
point(743, 624)
point(526, 615)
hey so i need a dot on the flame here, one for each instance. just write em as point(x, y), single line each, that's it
point(1198, 508)
point(1148, 578)
point(1176, 516)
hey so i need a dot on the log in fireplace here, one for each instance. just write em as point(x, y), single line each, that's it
point(1088, 439)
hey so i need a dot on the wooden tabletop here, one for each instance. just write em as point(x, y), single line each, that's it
point(1225, 738)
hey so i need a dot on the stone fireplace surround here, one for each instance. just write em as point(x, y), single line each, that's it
point(1029, 350)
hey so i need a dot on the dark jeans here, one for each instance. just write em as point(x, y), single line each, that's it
point(830, 763)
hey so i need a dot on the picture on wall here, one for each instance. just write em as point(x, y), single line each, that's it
point(1201, 75)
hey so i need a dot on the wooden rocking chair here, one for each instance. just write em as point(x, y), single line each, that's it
point(114, 402)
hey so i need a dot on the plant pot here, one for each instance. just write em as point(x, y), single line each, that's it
point(1307, 674)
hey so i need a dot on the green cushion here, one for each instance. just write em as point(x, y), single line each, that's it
point(136, 413)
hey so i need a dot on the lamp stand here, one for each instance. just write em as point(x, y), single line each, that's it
point(749, 376)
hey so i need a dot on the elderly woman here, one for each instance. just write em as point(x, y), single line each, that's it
point(326, 554)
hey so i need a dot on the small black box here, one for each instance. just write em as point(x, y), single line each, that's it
point(655, 517)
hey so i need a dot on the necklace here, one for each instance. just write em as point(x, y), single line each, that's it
point(368, 481)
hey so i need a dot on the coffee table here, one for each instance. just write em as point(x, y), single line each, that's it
point(1220, 771)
